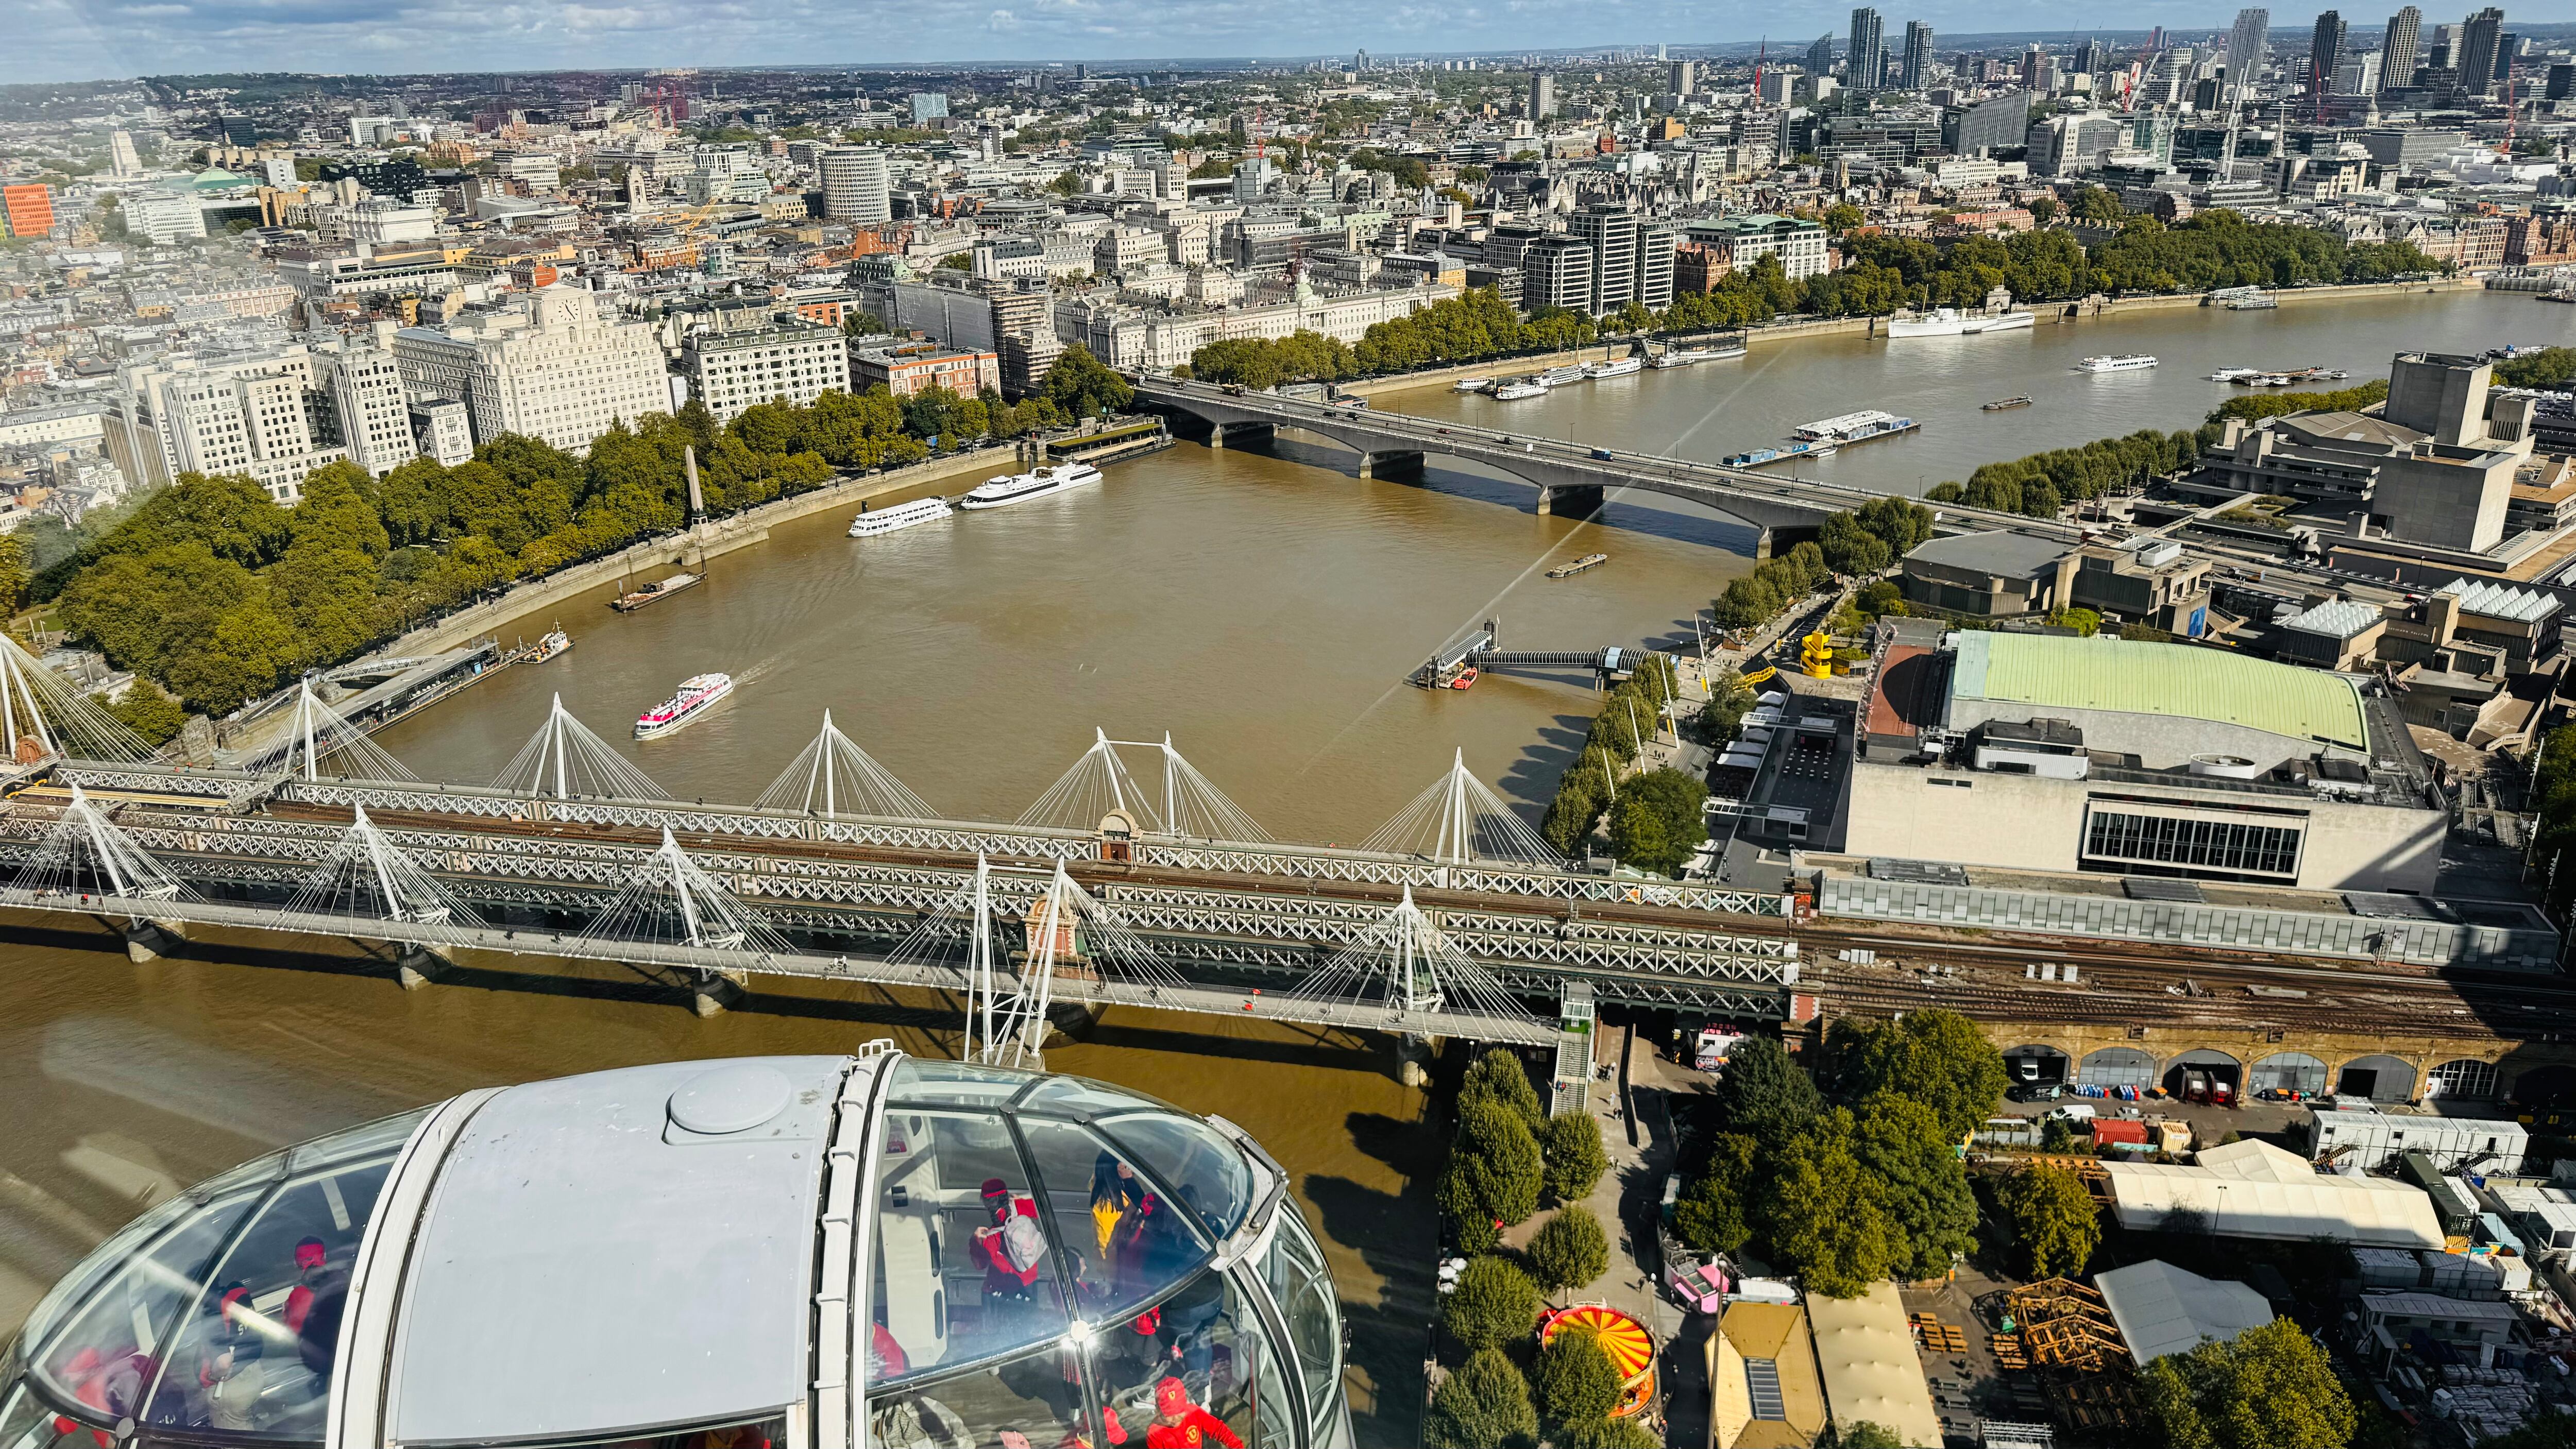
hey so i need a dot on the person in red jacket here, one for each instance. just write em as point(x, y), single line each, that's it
point(1180, 1424)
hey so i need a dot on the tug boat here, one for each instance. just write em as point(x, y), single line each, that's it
point(551, 643)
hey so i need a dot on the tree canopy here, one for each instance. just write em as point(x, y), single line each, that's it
point(1494, 1172)
point(1569, 1250)
point(2268, 1388)
point(1484, 1405)
point(1494, 1303)
point(2052, 1220)
point(1936, 1057)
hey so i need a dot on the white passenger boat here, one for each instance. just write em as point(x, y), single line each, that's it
point(2124, 362)
point(1951, 322)
point(697, 694)
point(1559, 376)
point(1021, 487)
point(1620, 368)
point(872, 522)
point(1690, 356)
point(2235, 374)
point(1846, 425)
point(1472, 384)
point(1515, 391)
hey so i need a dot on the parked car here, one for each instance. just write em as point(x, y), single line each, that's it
point(2036, 1091)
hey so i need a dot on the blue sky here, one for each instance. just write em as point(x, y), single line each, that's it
point(86, 39)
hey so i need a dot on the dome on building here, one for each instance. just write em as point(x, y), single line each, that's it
point(765, 1253)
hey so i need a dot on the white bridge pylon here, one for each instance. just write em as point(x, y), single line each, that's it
point(671, 900)
point(1459, 820)
point(1406, 963)
point(368, 879)
point(317, 732)
point(565, 760)
point(1011, 939)
point(835, 777)
point(39, 705)
point(1098, 783)
point(84, 854)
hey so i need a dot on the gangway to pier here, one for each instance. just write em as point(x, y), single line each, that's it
point(1443, 665)
point(1483, 649)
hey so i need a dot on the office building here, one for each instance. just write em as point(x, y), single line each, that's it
point(748, 354)
point(854, 185)
point(792, 1229)
point(2245, 47)
point(260, 413)
point(1918, 56)
point(929, 106)
point(1820, 56)
point(1658, 247)
point(1611, 233)
point(1744, 240)
point(906, 369)
point(1556, 271)
point(2562, 82)
point(162, 217)
point(1990, 125)
point(549, 367)
point(441, 428)
point(29, 209)
point(1542, 95)
point(2397, 49)
point(1866, 57)
point(122, 162)
point(2325, 49)
point(369, 408)
point(2481, 49)
point(1680, 77)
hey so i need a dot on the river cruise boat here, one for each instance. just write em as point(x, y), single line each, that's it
point(1021, 487)
point(1843, 426)
point(1527, 387)
point(1691, 356)
point(697, 694)
point(2244, 299)
point(1569, 570)
point(874, 521)
point(1560, 376)
point(654, 593)
point(2002, 403)
point(2121, 362)
point(1471, 384)
point(1951, 322)
point(2235, 374)
point(549, 644)
point(1620, 368)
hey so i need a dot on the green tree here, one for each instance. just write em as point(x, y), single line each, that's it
point(1568, 1250)
point(1494, 1303)
point(1823, 1216)
point(1499, 1077)
point(154, 716)
point(1921, 1181)
point(1575, 1379)
point(1571, 1143)
point(2043, 209)
point(1764, 1095)
point(1607, 1434)
point(1493, 1174)
point(2268, 1388)
point(1936, 1057)
point(1484, 1405)
point(1713, 1214)
point(1082, 386)
point(2085, 622)
point(2051, 1219)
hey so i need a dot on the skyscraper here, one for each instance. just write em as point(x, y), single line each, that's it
point(2325, 47)
point(2481, 39)
point(2397, 50)
point(2245, 50)
point(1820, 56)
point(1680, 77)
point(2092, 58)
point(121, 158)
point(1542, 96)
point(1918, 55)
point(1866, 57)
point(854, 185)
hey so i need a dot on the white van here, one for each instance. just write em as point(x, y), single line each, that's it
point(2070, 1112)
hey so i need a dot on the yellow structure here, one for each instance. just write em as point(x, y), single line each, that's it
point(1763, 1387)
point(1816, 655)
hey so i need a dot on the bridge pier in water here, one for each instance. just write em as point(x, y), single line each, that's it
point(420, 966)
point(714, 992)
point(147, 941)
point(1242, 433)
point(1572, 500)
point(1391, 465)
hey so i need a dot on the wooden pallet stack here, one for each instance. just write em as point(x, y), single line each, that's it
point(1940, 1337)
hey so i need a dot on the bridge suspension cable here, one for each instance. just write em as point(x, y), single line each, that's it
point(40, 705)
point(316, 732)
point(366, 879)
point(1099, 783)
point(672, 901)
point(1458, 819)
point(564, 760)
point(835, 777)
point(85, 854)
point(1406, 963)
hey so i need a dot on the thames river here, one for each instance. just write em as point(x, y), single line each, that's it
point(1262, 609)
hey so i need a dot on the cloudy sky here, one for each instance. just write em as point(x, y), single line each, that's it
point(84, 39)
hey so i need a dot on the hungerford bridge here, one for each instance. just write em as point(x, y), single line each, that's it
point(1449, 921)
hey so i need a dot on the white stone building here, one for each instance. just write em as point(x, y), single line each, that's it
point(552, 368)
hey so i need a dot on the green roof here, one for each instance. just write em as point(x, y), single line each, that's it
point(2055, 671)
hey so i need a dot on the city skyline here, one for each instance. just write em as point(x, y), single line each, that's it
point(64, 41)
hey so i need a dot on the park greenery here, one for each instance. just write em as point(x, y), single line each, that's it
point(2040, 484)
point(2551, 367)
point(2271, 1387)
point(2050, 1220)
point(1568, 1251)
point(218, 594)
point(1484, 1405)
point(1864, 542)
point(2253, 407)
point(1508, 1153)
point(1853, 1189)
point(1655, 819)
